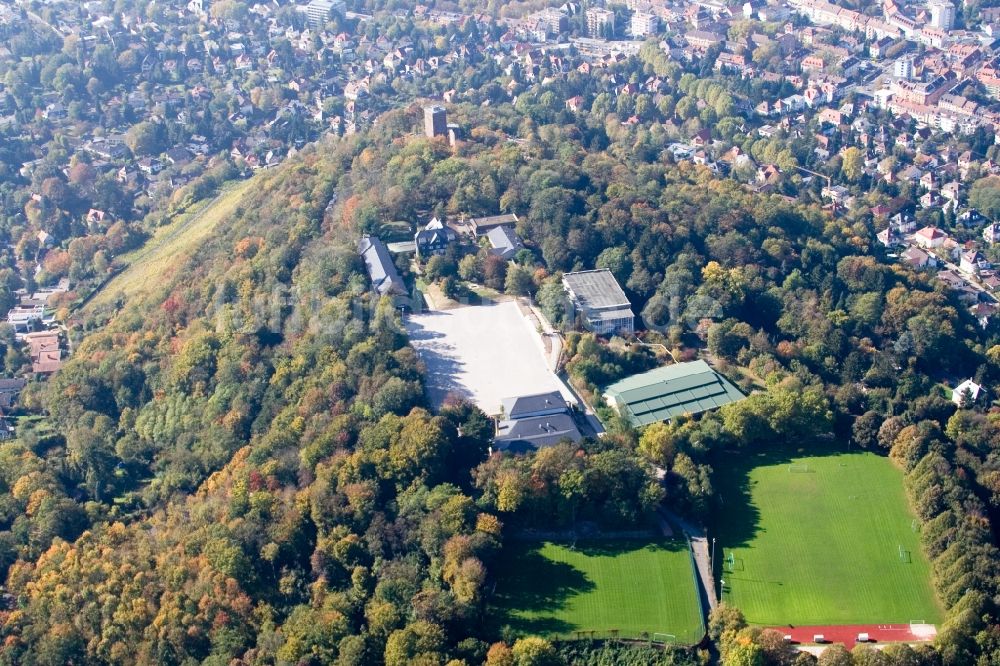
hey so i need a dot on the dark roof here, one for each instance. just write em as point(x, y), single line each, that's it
point(663, 393)
point(481, 224)
point(385, 278)
point(431, 236)
point(522, 435)
point(9, 385)
point(515, 408)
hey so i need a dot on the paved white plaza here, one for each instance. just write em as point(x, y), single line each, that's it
point(483, 353)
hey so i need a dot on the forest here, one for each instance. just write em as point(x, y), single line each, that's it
point(241, 466)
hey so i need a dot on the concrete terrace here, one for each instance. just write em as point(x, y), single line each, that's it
point(483, 353)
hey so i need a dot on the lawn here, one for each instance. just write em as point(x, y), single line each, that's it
point(819, 545)
point(149, 265)
point(632, 586)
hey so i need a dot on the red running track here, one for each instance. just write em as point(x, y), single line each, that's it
point(848, 633)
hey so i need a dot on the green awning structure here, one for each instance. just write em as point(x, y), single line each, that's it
point(663, 393)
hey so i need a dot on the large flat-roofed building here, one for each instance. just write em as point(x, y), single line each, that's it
point(600, 22)
point(671, 391)
point(942, 14)
point(644, 24)
point(597, 296)
point(320, 11)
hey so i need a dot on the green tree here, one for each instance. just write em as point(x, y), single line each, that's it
point(145, 138)
point(535, 651)
point(418, 640)
point(618, 260)
point(835, 655)
point(518, 281)
point(853, 164)
point(470, 268)
point(984, 195)
point(657, 444)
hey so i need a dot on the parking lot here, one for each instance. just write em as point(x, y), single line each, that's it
point(483, 353)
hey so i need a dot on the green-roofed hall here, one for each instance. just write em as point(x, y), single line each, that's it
point(663, 393)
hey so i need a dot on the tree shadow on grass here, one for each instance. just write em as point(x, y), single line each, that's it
point(532, 590)
point(614, 547)
point(735, 519)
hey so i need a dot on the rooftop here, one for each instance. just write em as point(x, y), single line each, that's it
point(663, 393)
point(596, 290)
point(528, 434)
point(482, 224)
point(385, 278)
point(504, 241)
point(515, 408)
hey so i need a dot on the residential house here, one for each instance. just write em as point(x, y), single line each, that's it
point(983, 312)
point(482, 225)
point(9, 390)
point(504, 242)
point(433, 238)
point(889, 238)
point(928, 182)
point(959, 286)
point(838, 194)
point(768, 174)
point(970, 218)
point(972, 262)
point(917, 258)
point(991, 234)
point(930, 237)
point(966, 393)
point(575, 104)
point(44, 351)
point(951, 190)
point(930, 199)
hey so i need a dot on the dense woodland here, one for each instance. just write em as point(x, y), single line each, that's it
point(242, 466)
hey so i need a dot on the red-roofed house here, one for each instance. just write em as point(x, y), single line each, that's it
point(930, 237)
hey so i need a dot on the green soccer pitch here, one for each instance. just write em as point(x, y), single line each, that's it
point(825, 539)
point(629, 586)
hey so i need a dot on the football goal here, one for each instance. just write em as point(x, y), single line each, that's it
point(799, 467)
point(904, 555)
point(733, 563)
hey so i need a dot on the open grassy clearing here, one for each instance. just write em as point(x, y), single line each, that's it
point(819, 539)
point(632, 586)
point(150, 264)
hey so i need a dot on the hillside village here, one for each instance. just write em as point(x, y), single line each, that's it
point(524, 333)
point(888, 115)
